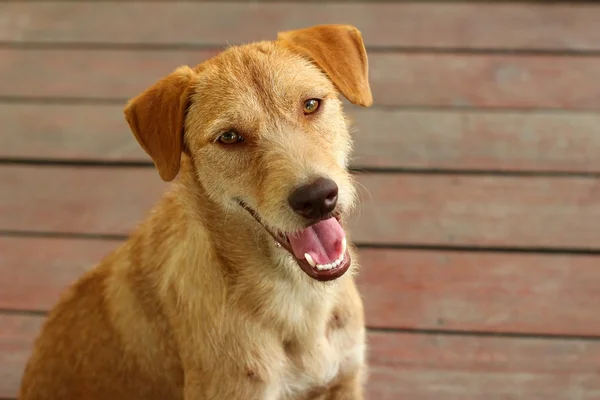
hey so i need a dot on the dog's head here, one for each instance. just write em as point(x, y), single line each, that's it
point(264, 127)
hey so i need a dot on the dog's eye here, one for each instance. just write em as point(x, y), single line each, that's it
point(311, 105)
point(230, 137)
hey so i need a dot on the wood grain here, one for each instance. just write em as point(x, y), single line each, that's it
point(433, 367)
point(401, 24)
point(482, 292)
point(478, 210)
point(92, 200)
point(384, 138)
point(34, 271)
point(397, 79)
point(67, 132)
point(417, 366)
point(395, 208)
point(88, 73)
point(460, 291)
point(458, 85)
point(17, 334)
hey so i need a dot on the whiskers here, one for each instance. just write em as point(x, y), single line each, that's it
point(359, 201)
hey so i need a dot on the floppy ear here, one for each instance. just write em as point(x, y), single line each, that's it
point(156, 118)
point(340, 52)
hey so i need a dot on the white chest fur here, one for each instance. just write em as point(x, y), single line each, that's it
point(322, 348)
point(333, 349)
point(319, 366)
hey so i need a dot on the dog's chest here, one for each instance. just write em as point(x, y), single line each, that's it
point(325, 343)
point(315, 367)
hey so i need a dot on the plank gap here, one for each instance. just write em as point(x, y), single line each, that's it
point(392, 331)
point(138, 46)
point(475, 333)
point(103, 163)
point(571, 251)
point(480, 249)
point(111, 101)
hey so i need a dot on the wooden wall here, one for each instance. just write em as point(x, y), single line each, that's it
point(479, 230)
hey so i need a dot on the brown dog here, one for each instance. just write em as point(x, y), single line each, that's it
point(239, 285)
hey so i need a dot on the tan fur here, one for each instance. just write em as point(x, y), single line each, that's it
point(199, 303)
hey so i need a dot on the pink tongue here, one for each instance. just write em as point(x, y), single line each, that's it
point(323, 241)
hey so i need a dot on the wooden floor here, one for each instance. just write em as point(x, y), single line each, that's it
point(480, 223)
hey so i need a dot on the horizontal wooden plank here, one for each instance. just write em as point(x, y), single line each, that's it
point(67, 132)
point(404, 24)
point(105, 201)
point(479, 140)
point(397, 79)
point(387, 138)
point(17, 334)
point(478, 210)
point(534, 294)
point(485, 292)
point(435, 367)
point(396, 208)
point(419, 367)
point(34, 271)
point(93, 73)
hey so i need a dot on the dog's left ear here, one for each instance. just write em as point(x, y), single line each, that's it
point(340, 52)
point(156, 118)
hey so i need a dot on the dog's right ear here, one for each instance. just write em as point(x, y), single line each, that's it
point(340, 52)
point(157, 116)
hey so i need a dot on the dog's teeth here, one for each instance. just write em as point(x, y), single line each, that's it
point(277, 244)
point(334, 264)
point(310, 260)
point(324, 267)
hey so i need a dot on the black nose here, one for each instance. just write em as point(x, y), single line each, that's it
point(315, 200)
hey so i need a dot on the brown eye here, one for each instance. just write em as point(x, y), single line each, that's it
point(311, 105)
point(230, 137)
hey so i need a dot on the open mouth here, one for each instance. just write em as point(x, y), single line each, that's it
point(320, 249)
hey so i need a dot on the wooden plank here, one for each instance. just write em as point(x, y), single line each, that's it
point(485, 292)
point(93, 73)
point(478, 210)
point(417, 366)
point(61, 199)
point(397, 79)
point(34, 271)
point(485, 81)
point(387, 138)
point(433, 367)
point(403, 24)
point(479, 140)
point(534, 294)
point(395, 209)
point(17, 334)
point(71, 132)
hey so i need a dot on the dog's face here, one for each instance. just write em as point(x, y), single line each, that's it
point(264, 127)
